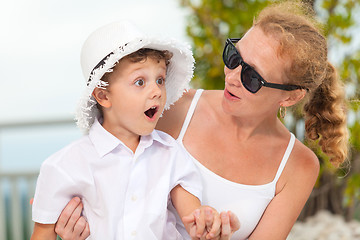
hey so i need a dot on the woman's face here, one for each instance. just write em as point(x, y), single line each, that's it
point(259, 51)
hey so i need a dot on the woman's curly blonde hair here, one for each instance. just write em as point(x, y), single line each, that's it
point(293, 24)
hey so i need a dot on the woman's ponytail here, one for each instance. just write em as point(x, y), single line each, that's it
point(325, 117)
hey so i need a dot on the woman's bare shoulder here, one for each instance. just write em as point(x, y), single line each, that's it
point(173, 118)
point(304, 161)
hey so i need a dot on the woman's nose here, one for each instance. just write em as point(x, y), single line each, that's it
point(233, 76)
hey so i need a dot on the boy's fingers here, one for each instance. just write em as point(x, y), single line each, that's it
point(31, 201)
point(192, 233)
point(189, 219)
point(200, 222)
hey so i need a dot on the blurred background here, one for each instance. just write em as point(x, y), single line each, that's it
point(41, 81)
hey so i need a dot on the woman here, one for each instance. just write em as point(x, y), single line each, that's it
point(250, 163)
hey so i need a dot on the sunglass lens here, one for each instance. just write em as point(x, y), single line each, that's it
point(250, 79)
point(231, 56)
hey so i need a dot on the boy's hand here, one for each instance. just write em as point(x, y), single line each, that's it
point(207, 224)
point(203, 223)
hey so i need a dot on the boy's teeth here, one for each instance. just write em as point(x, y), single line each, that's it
point(151, 112)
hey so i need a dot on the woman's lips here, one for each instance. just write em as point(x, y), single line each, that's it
point(230, 96)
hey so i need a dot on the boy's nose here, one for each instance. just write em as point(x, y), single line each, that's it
point(155, 91)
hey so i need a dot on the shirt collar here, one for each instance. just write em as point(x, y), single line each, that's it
point(104, 142)
point(160, 137)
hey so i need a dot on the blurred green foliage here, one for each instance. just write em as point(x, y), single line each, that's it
point(210, 22)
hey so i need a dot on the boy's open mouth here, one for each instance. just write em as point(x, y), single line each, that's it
point(151, 112)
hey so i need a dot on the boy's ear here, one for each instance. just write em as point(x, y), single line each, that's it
point(101, 96)
point(293, 98)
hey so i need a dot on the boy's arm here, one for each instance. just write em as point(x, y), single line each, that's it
point(44, 231)
point(197, 219)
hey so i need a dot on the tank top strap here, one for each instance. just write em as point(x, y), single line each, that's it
point(189, 114)
point(285, 157)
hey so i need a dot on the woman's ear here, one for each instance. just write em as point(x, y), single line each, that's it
point(101, 96)
point(293, 98)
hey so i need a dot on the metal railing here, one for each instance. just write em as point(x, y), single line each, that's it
point(16, 190)
point(18, 187)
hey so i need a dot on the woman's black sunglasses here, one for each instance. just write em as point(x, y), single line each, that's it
point(251, 79)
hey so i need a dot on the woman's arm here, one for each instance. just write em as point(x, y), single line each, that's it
point(71, 225)
point(282, 212)
point(44, 232)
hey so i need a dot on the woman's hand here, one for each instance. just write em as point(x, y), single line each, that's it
point(206, 223)
point(203, 223)
point(71, 225)
point(229, 224)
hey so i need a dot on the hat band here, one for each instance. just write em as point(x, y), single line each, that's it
point(100, 64)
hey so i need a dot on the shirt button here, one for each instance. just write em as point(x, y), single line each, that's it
point(134, 198)
point(133, 233)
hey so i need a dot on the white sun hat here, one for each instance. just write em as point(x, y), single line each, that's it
point(108, 44)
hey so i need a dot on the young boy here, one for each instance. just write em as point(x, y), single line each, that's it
point(123, 170)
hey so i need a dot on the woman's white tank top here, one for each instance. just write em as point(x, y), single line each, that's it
point(248, 202)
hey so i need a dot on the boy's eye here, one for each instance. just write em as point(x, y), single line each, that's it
point(160, 81)
point(139, 82)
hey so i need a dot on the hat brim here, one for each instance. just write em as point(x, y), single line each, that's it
point(179, 74)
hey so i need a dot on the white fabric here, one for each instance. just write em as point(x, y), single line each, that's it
point(248, 202)
point(125, 194)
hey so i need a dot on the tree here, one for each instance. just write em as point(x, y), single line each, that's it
point(212, 21)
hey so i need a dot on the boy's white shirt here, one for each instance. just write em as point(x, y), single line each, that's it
point(125, 194)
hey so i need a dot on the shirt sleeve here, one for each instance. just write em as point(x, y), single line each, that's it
point(54, 189)
point(186, 174)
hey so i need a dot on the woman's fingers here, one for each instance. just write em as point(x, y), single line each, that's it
point(86, 231)
point(74, 217)
point(70, 224)
point(67, 212)
point(213, 222)
point(225, 226)
point(81, 229)
point(234, 222)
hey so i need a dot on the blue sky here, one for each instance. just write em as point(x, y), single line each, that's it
point(40, 48)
